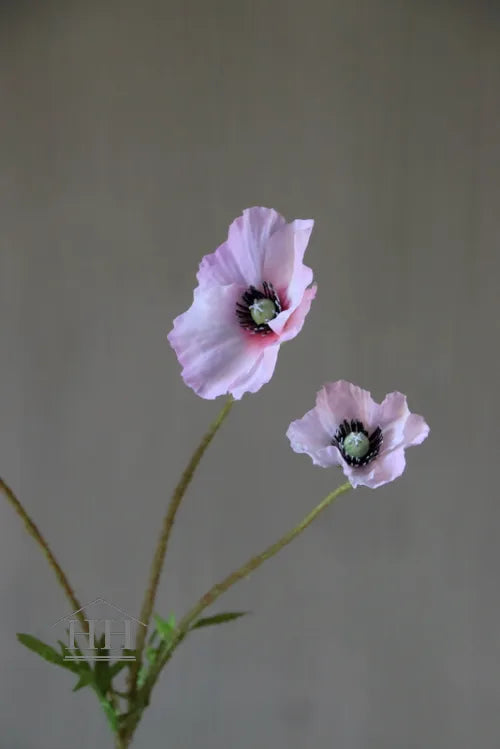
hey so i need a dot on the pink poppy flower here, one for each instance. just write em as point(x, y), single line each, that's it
point(252, 295)
point(367, 439)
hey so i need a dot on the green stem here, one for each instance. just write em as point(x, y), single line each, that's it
point(161, 548)
point(121, 742)
point(35, 533)
point(217, 590)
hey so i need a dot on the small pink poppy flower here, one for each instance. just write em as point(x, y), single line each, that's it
point(252, 295)
point(367, 439)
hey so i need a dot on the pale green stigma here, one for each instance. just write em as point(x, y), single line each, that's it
point(356, 445)
point(262, 310)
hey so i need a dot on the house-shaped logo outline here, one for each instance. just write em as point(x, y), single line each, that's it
point(100, 600)
point(93, 603)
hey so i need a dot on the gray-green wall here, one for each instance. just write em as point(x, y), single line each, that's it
point(131, 133)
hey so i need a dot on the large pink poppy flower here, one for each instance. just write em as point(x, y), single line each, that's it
point(367, 439)
point(252, 295)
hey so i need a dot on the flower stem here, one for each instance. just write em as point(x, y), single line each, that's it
point(217, 590)
point(121, 742)
point(35, 533)
point(161, 548)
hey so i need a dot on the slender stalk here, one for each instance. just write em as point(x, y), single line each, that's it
point(35, 533)
point(215, 591)
point(161, 548)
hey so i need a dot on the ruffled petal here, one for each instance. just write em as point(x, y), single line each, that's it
point(327, 457)
point(391, 416)
point(399, 426)
point(341, 400)
point(283, 262)
point(258, 375)
point(307, 435)
point(296, 320)
point(416, 430)
point(241, 258)
point(210, 344)
point(280, 324)
point(385, 468)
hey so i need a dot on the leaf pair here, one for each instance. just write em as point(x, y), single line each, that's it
point(99, 678)
point(164, 631)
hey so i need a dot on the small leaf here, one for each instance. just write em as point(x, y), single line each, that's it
point(102, 675)
point(151, 654)
point(141, 676)
point(44, 651)
point(222, 618)
point(165, 627)
point(86, 680)
point(110, 713)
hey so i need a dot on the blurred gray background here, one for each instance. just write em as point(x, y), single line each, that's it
point(131, 135)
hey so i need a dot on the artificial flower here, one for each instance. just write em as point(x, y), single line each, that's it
point(253, 294)
point(367, 439)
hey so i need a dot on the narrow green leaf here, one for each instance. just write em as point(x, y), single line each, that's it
point(141, 676)
point(165, 627)
point(86, 679)
point(110, 713)
point(151, 654)
point(102, 675)
point(44, 651)
point(222, 618)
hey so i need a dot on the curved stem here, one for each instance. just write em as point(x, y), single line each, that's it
point(161, 548)
point(35, 533)
point(219, 588)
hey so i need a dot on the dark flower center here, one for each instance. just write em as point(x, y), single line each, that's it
point(257, 308)
point(355, 445)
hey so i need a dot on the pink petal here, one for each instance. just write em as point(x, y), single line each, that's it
point(283, 261)
point(283, 266)
point(384, 468)
point(392, 415)
point(399, 426)
point(210, 344)
point(261, 372)
point(296, 320)
point(341, 400)
point(280, 324)
point(327, 457)
point(416, 430)
point(241, 258)
point(307, 435)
